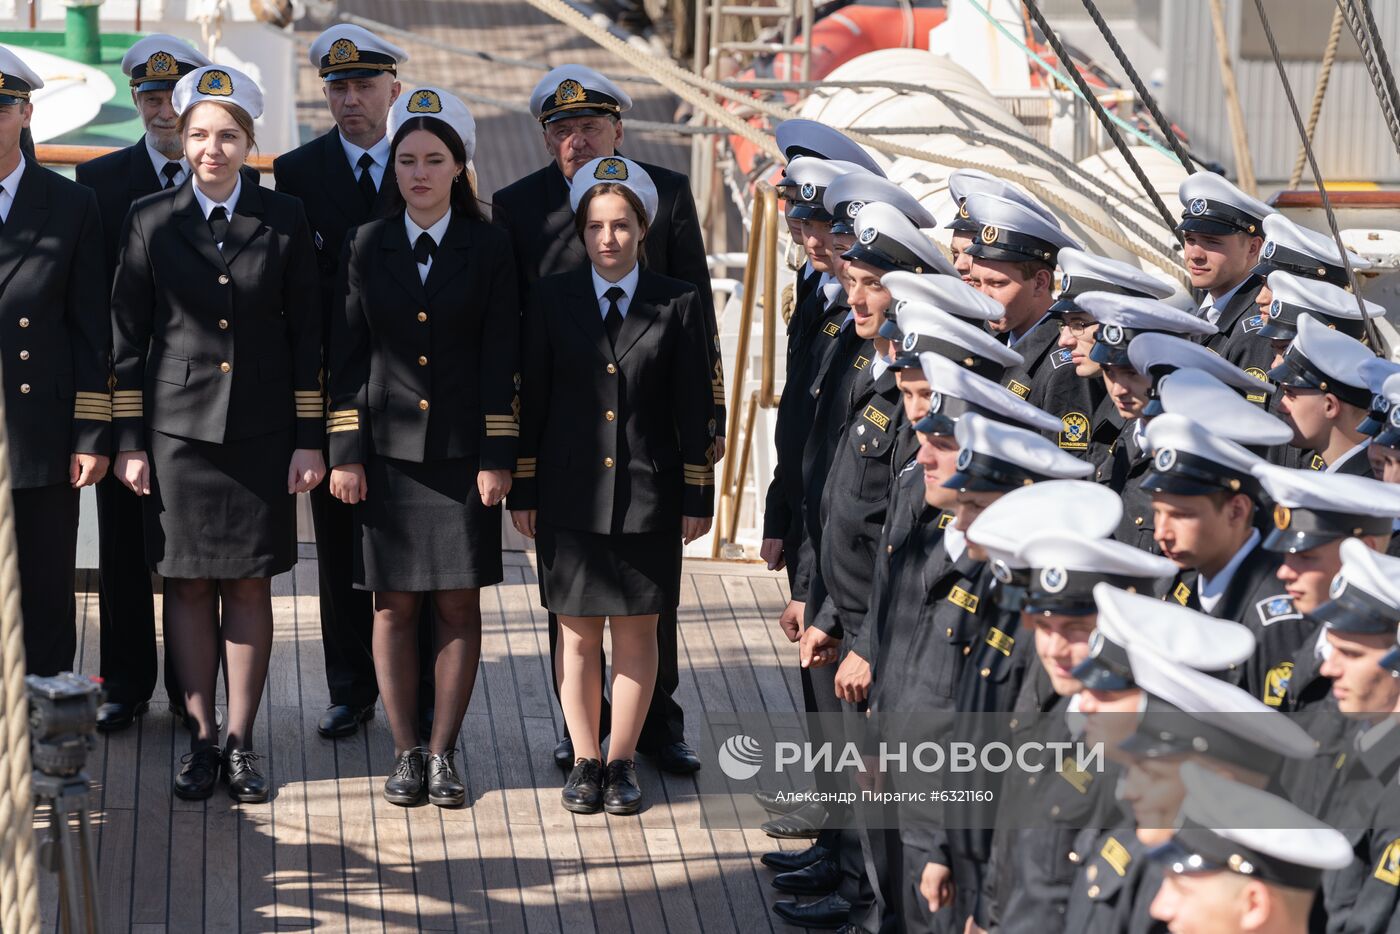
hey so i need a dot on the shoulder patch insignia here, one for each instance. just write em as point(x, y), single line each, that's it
point(1388, 869)
point(1181, 594)
point(875, 417)
point(1116, 855)
point(1019, 388)
point(1074, 432)
point(1276, 609)
point(861, 363)
point(831, 329)
point(945, 520)
point(1317, 463)
point(1276, 683)
point(1252, 324)
point(962, 598)
point(1000, 641)
point(1060, 357)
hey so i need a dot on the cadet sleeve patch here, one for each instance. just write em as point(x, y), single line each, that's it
point(1000, 641)
point(1276, 609)
point(945, 520)
point(1060, 357)
point(1019, 388)
point(1181, 594)
point(831, 329)
point(1276, 684)
point(1078, 779)
point(861, 363)
point(875, 417)
point(1253, 324)
point(1074, 432)
point(1388, 869)
point(1317, 462)
point(1258, 397)
point(962, 598)
point(1116, 855)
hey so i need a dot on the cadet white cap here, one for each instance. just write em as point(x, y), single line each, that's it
point(17, 79)
point(1214, 206)
point(801, 137)
point(1156, 355)
point(1227, 826)
point(946, 293)
point(1066, 565)
point(1327, 360)
point(1365, 595)
point(1012, 232)
point(1220, 410)
point(218, 83)
point(1190, 460)
point(963, 182)
point(1376, 372)
point(440, 104)
point(577, 91)
point(1168, 630)
point(1303, 252)
point(614, 169)
point(349, 51)
point(1000, 457)
point(1333, 306)
point(1123, 317)
point(957, 391)
point(926, 329)
point(1082, 272)
point(845, 196)
point(156, 62)
point(888, 240)
point(805, 182)
point(1315, 507)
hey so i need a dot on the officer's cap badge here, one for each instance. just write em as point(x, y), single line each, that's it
point(1395, 417)
point(568, 92)
point(160, 64)
point(1053, 580)
point(611, 170)
point(216, 84)
point(964, 458)
point(962, 209)
point(1198, 206)
point(425, 102)
point(343, 51)
point(1065, 281)
point(808, 191)
point(911, 340)
point(853, 208)
point(1111, 334)
point(990, 234)
point(935, 402)
point(1269, 248)
point(1166, 459)
point(1283, 517)
point(868, 235)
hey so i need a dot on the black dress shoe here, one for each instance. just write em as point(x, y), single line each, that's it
point(445, 789)
point(791, 860)
point(820, 878)
point(342, 720)
point(198, 773)
point(405, 784)
point(622, 794)
point(802, 824)
point(677, 759)
point(583, 792)
point(825, 914)
point(115, 715)
point(564, 754)
point(779, 803)
point(245, 782)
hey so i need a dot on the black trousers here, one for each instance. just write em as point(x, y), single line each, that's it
point(125, 606)
point(347, 614)
point(46, 538)
point(819, 696)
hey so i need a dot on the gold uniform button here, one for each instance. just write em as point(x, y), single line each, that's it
point(1137, 521)
point(1073, 857)
point(225, 367)
point(24, 322)
point(986, 672)
point(423, 404)
point(223, 324)
point(889, 549)
point(1093, 891)
point(24, 387)
point(609, 415)
point(611, 368)
point(223, 280)
point(422, 361)
point(422, 316)
point(948, 632)
point(607, 462)
point(24, 355)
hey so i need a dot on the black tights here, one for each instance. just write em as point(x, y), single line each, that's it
point(457, 642)
point(210, 620)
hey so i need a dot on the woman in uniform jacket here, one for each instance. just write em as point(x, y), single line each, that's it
point(217, 413)
point(616, 465)
point(423, 430)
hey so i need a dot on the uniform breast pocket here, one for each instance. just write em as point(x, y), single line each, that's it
point(378, 396)
point(871, 450)
point(173, 370)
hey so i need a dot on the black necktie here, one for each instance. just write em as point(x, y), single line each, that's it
point(612, 321)
point(218, 224)
point(171, 170)
point(424, 248)
point(367, 180)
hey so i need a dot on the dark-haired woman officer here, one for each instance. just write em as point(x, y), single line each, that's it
point(616, 465)
point(423, 430)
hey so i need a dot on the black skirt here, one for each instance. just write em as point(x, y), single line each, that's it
point(220, 511)
point(423, 528)
point(587, 574)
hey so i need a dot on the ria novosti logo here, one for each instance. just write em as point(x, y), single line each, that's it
point(741, 757)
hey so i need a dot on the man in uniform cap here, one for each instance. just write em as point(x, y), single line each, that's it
point(1291, 296)
point(1384, 449)
point(342, 177)
point(963, 182)
point(580, 115)
point(125, 605)
point(1232, 867)
point(1314, 513)
point(1300, 252)
point(800, 137)
point(1223, 232)
point(1325, 398)
point(56, 340)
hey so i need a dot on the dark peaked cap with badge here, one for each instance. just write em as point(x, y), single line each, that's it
point(801, 137)
point(1333, 306)
point(1227, 826)
point(1326, 360)
point(994, 456)
point(1157, 355)
point(844, 198)
point(887, 240)
point(1302, 252)
point(1146, 624)
point(1013, 233)
point(1365, 595)
point(1315, 507)
point(1123, 317)
point(964, 182)
point(1220, 410)
point(1065, 566)
point(156, 62)
point(1189, 459)
point(926, 329)
point(1214, 206)
point(17, 79)
point(946, 293)
point(1082, 272)
point(1375, 373)
point(805, 182)
point(576, 91)
point(349, 51)
point(957, 391)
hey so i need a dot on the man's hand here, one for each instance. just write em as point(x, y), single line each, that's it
point(791, 620)
point(524, 521)
point(853, 679)
point(348, 483)
point(936, 886)
point(492, 485)
point(87, 469)
point(306, 469)
point(771, 551)
point(134, 469)
point(693, 527)
point(818, 648)
point(719, 448)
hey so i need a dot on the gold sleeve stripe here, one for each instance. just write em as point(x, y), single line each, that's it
point(349, 423)
point(336, 412)
point(337, 428)
point(126, 411)
point(127, 394)
point(527, 473)
point(307, 393)
point(693, 481)
point(503, 432)
point(92, 405)
point(500, 420)
point(93, 396)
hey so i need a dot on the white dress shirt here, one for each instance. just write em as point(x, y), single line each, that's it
point(1012, 340)
point(379, 152)
point(1211, 307)
point(159, 161)
point(1358, 451)
point(628, 284)
point(207, 204)
point(954, 542)
point(1213, 588)
point(437, 231)
point(11, 185)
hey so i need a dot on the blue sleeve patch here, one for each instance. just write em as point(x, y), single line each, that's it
point(1060, 357)
point(1276, 609)
point(1253, 324)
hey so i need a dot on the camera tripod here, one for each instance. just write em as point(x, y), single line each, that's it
point(68, 851)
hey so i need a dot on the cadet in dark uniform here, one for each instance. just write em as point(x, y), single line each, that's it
point(55, 336)
point(1223, 232)
point(218, 410)
point(1303, 253)
point(964, 182)
point(621, 348)
point(1377, 904)
point(580, 115)
point(422, 425)
point(125, 606)
point(339, 177)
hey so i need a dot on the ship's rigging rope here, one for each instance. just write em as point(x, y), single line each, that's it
point(1368, 39)
point(1324, 75)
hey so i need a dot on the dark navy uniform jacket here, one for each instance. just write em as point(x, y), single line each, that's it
point(1122, 471)
point(1115, 885)
point(1238, 327)
point(1047, 380)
